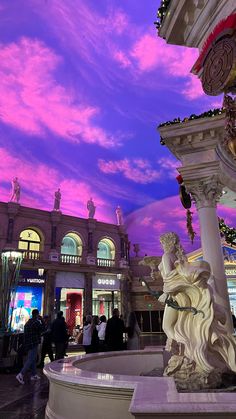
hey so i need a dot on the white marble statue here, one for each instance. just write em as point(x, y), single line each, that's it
point(15, 195)
point(57, 200)
point(199, 343)
point(91, 208)
point(119, 216)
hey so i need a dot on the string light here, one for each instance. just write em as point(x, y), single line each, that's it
point(161, 12)
point(227, 232)
point(208, 114)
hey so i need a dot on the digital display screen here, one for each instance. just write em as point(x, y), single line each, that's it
point(26, 299)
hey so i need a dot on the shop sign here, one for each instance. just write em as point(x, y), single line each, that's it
point(31, 281)
point(106, 282)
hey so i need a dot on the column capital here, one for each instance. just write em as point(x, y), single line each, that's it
point(205, 192)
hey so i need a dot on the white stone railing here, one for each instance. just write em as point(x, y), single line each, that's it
point(70, 258)
point(105, 262)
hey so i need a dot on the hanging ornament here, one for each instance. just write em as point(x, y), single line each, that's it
point(185, 197)
point(190, 229)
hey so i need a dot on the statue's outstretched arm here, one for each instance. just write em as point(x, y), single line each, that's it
point(155, 294)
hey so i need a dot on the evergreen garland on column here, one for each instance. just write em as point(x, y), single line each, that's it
point(227, 232)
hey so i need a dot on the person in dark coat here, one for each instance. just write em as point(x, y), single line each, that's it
point(95, 338)
point(47, 342)
point(59, 335)
point(114, 332)
point(32, 338)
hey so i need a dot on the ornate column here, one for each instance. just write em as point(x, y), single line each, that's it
point(206, 193)
point(88, 293)
point(49, 293)
point(12, 209)
point(125, 289)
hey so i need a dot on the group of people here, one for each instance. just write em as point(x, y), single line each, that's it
point(37, 330)
point(100, 335)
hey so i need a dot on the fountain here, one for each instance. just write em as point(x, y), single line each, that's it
point(128, 384)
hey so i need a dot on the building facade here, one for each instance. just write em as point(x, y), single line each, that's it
point(85, 264)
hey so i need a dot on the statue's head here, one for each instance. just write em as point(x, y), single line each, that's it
point(169, 241)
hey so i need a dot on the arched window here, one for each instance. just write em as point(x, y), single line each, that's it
point(105, 252)
point(30, 243)
point(71, 248)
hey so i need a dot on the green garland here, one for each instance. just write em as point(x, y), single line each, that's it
point(208, 114)
point(227, 232)
point(161, 12)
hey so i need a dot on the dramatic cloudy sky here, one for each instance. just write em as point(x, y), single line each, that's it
point(83, 86)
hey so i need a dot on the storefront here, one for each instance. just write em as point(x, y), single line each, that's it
point(69, 297)
point(106, 294)
point(229, 254)
point(29, 296)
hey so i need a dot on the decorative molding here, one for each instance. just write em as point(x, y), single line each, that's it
point(205, 193)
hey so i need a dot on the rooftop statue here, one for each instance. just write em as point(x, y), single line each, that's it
point(57, 200)
point(15, 196)
point(91, 208)
point(119, 216)
point(200, 346)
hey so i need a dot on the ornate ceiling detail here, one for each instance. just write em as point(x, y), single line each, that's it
point(219, 68)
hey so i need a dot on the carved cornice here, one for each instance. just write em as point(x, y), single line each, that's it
point(193, 136)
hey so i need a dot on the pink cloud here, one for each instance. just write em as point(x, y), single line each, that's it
point(193, 88)
point(31, 99)
point(39, 183)
point(169, 165)
point(122, 59)
point(139, 170)
point(146, 221)
point(168, 215)
point(115, 22)
point(151, 52)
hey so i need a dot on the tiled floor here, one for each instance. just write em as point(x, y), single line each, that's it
point(28, 401)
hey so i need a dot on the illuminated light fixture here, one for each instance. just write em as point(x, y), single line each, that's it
point(11, 261)
point(40, 271)
point(119, 276)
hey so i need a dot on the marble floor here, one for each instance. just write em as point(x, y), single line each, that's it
point(28, 401)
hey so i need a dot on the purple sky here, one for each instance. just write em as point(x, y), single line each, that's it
point(84, 85)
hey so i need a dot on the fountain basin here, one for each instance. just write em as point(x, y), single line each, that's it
point(109, 386)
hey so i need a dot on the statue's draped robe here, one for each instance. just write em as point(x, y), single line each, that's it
point(204, 336)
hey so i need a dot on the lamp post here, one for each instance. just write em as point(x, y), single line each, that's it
point(11, 261)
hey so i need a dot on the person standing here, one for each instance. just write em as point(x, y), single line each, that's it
point(59, 335)
point(114, 332)
point(87, 334)
point(133, 332)
point(95, 338)
point(101, 328)
point(32, 338)
point(47, 342)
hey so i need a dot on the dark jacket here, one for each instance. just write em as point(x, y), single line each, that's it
point(59, 331)
point(32, 333)
point(114, 334)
